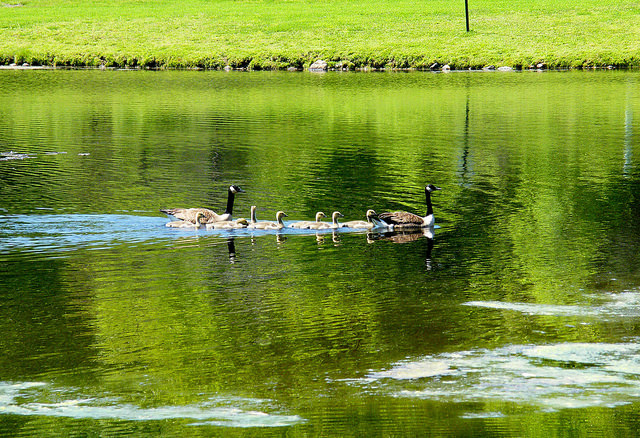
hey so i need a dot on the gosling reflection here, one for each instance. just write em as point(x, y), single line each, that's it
point(335, 237)
point(322, 238)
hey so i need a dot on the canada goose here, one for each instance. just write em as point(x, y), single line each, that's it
point(267, 225)
point(228, 225)
point(324, 225)
point(188, 224)
point(399, 220)
point(371, 222)
point(305, 224)
point(189, 214)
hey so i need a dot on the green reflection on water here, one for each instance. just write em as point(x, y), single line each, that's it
point(539, 207)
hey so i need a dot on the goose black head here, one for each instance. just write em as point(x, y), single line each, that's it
point(431, 188)
point(235, 189)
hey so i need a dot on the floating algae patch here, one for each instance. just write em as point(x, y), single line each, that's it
point(613, 305)
point(34, 399)
point(551, 377)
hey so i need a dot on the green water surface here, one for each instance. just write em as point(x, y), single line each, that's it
point(518, 317)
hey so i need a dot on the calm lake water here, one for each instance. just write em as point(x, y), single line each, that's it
point(520, 316)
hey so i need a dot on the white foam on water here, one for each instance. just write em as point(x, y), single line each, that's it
point(414, 370)
point(14, 396)
point(535, 309)
point(586, 353)
point(615, 305)
point(482, 415)
point(552, 377)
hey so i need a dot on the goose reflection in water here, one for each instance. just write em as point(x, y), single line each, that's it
point(407, 237)
point(280, 239)
point(400, 236)
point(231, 246)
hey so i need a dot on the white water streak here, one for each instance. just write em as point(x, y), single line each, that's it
point(618, 305)
point(14, 396)
point(552, 377)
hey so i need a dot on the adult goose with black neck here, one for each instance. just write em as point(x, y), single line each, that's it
point(210, 216)
point(403, 220)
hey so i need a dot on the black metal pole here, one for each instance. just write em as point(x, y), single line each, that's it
point(466, 12)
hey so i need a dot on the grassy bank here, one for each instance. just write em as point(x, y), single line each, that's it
point(276, 34)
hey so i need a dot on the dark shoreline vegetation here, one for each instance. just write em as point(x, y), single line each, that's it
point(433, 68)
point(331, 66)
point(293, 34)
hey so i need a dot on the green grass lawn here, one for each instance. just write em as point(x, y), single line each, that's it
point(268, 34)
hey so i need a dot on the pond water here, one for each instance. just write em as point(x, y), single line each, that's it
point(519, 315)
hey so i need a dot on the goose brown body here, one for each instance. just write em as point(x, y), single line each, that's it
point(403, 218)
point(195, 224)
point(189, 214)
point(209, 216)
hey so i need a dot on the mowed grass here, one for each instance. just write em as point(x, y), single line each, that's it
point(276, 34)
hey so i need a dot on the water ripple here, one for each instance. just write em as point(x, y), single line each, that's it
point(42, 233)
